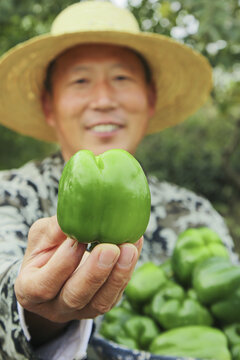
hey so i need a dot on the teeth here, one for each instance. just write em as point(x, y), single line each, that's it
point(105, 127)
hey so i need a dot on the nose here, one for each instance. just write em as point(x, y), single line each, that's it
point(102, 97)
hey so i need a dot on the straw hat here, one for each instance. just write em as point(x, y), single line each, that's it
point(182, 76)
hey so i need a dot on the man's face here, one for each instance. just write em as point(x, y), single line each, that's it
point(100, 99)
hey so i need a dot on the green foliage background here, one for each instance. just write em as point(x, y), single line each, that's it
point(201, 154)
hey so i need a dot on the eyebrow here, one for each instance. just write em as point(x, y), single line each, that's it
point(125, 66)
point(80, 67)
point(88, 67)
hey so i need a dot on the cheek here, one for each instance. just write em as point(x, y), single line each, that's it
point(68, 102)
point(67, 123)
point(67, 105)
point(135, 101)
point(139, 108)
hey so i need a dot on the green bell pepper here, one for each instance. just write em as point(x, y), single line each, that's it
point(171, 307)
point(168, 291)
point(126, 328)
point(127, 341)
point(235, 351)
point(233, 335)
point(201, 342)
point(193, 246)
point(167, 268)
point(125, 303)
point(191, 293)
point(104, 198)
point(142, 330)
point(215, 278)
point(145, 282)
point(118, 314)
point(112, 324)
point(110, 330)
point(227, 310)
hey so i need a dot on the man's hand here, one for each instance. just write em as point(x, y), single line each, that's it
point(57, 284)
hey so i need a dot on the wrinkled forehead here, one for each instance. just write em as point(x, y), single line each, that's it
point(98, 51)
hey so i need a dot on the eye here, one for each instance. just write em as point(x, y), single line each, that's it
point(122, 77)
point(81, 81)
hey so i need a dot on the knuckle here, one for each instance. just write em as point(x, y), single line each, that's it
point(100, 307)
point(43, 295)
point(43, 291)
point(31, 293)
point(23, 301)
point(38, 224)
point(118, 282)
point(71, 300)
point(20, 292)
point(94, 280)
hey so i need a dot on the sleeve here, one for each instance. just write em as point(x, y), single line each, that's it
point(19, 208)
point(76, 337)
point(13, 235)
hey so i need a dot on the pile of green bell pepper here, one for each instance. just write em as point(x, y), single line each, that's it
point(128, 328)
point(194, 307)
point(104, 198)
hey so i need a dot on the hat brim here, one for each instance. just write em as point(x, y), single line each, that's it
point(183, 78)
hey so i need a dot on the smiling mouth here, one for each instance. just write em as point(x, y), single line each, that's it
point(105, 128)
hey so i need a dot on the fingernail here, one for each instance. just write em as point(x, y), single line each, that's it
point(139, 243)
point(75, 245)
point(127, 255)
point(107, 257)
point(72, 243)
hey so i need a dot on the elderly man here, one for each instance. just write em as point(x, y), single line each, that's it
point(95, 82)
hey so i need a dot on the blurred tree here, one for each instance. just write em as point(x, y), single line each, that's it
point(211, 27)
point(19, 21)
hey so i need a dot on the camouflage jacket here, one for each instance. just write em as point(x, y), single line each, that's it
point(30, 193)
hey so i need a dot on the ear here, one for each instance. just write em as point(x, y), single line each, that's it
point(47, 107)
point(152, 99)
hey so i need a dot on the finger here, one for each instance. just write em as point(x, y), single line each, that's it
point(90, 276)
point(109, 294)
point(63, 263)
point(119, 297)
point(139, 245)
point(44, 234)
point(42, 285)
point(60, 310)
